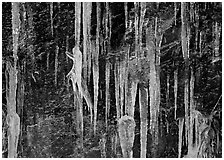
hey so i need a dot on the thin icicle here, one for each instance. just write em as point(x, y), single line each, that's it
point(152, 91)
point(196, 26)
point(191, 110)
point(87, 98)
point(77, 22)
point(87, 10)
point(136, 28)
point(48, 55)
point(130, 97)
point(89, 62)
point(85, 35)
point(117, 88)
point(201, 43)
point(188, 128)
point(122, 76)
point(167, 89)
point(126, 81)
point(89, 53)
point(143, 106)
point(107, 91)
point(51, 13)
point(56, 65)
point(134, 87)
point(196, 130)
point(96, 65)
point(181, 127)
point(185, 51)
point(175, 93)
point(81, 122)
point(184, 30)
point(67, 48)
point(107, 26)
point(143, 10)
point(156, 86)
point(126, 14)
point(110, 26)
point(95, 84)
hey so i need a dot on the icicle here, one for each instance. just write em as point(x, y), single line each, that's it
point(156, 66)
point(186, 101)
point(167, 89)
point(78, 66)
point(117, 88)
point(122, 76)
point(196, 130)
point(217, 142)
point(187, 91)
point(143, 106)
point(126, 87)
point(201, 43)
point(67, 48)
point(133, 96)
point(88, 47)
point(48, 55)
point(130, 97)
point(110, 26)
point(79, 115)
point(89, 61)
point(184, 30)
point(107, 39)
point(77, 22)
point(143, 10)
point(126, 130)
point(188, 39)
point(152, 90)
point(85, 35)
point(184, 37)
point(51, 12)
point(196, 27)
point(192, 108)
point(76, 104)
point(96, 65)
point(56, 65)
point(107, 91)
point(106, 49)
point(126, 14)
point(12, 118)
point(95, 82)
point(181, 127)
point(66, 51)
point(175, 93)
point(88, 99)
point(167, 127)
point(136, 28)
